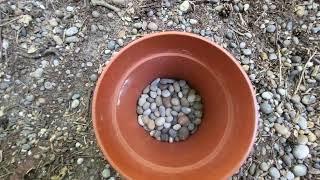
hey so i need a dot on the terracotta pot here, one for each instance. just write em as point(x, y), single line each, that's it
point(228, 129)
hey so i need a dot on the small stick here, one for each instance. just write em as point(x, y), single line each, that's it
point(302, 73)
point(105, 4)
point(10, 21)
point(280, 65)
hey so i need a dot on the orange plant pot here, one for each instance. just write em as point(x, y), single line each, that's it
point(226, 134)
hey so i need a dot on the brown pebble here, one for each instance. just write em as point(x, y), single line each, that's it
point(166, 101)
point(184, 120)
point(151, 125)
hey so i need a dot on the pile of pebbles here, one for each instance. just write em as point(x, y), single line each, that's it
point(169, 110)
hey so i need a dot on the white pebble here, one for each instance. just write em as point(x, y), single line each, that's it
point(166, 93)
point(160, 121)
point(176, 127)
point(300, 151)
point(167, 125)
point(141, 101)
point(79, 160)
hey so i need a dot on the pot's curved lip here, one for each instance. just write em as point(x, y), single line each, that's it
point(94, 100)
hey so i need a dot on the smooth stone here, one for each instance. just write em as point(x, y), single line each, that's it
point(175, 101)
point(159, 101)
point(162, 111)
point(191, 98)
point(266, 108)
point(299, 170)
point(264, 166)
point(289, 175)
point(184, 102)
point(176, 87)
point(173, 133)
point(197, 121)
point(300, 151)
point(140, 120)
point(146, 106)
point(147, 112)
point(75, 103)
point(191, 126)
point(281, 129)
point(176, 127)
point(71, 31)
point(247, 52)
point(302, 139)
point(271, 28)
point(274, 172)
point(183, 120)
point(153, 106)
point(295, 99)
point(165, 93)
point(141, 101)
point(106, 173)
point(186, 110)
point(160, 121)
point(302, 122)
point(308, 99)
point(166, 101)
point(183, 133)
point(182, 83)
point(153, 94)
point(267, 95)
point(152, 26)
point(167, 125)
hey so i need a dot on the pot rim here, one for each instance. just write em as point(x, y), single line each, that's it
point(149, 36)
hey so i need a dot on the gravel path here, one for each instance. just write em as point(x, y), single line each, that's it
point(52, 53)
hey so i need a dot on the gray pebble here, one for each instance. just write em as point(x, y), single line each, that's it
point(71, 31)
point(26, 147)
point(167, 81)
point(111, 45)
point(183, 133)
point(242, 45)
point(273, 56)
point(302, 122)
point(175, 101)
point(191, 126)
point(264, 166)
point(267, 95)
point(247, 52)
point(93, 77)
point(139, 110)
point(308, 99)
point(95, 14)
point(106, 173)
point(141, 101)
point(152, 26)
point(289, 175)
point(153, 106)
point(72, 39)
point(300, 151)
point(147, 112)
point(165, 93)
point(146, 106)
point(167, 125)
point(266, 108)
point(176, 127)
point(146, 90)
point(75, 103)
point(176, 87)
point(173, 133)
point(299, 170)
point(186, 110)
point(155, 82)
point(274, 173)
point(153, 94)
point(191, 98)
point(271, 28)
point(160, 121)
point(162, 111)
point(182, 83)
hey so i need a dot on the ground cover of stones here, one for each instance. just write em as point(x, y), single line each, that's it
point(52, 53)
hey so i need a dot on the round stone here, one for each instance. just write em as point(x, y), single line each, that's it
point(299, 170)
point(173, 133)
point(152, 26)
point(175, 101)
point(160, 121)
point(183, 133)
point(264, 166)
point(186, 110)
point(183, 120)
point(75, 103)
point(267, 95)
point(165, 93)
point(271, 28)
point(266, 108)
point(176, 127)
point(300, 151)
point(274, 172)
point(106, 173)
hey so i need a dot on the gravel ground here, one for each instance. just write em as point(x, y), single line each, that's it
point(52, 52)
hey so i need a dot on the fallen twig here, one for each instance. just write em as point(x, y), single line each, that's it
point(104, 4)
point(302, 73)
point(10, 21)
point(47, 52)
